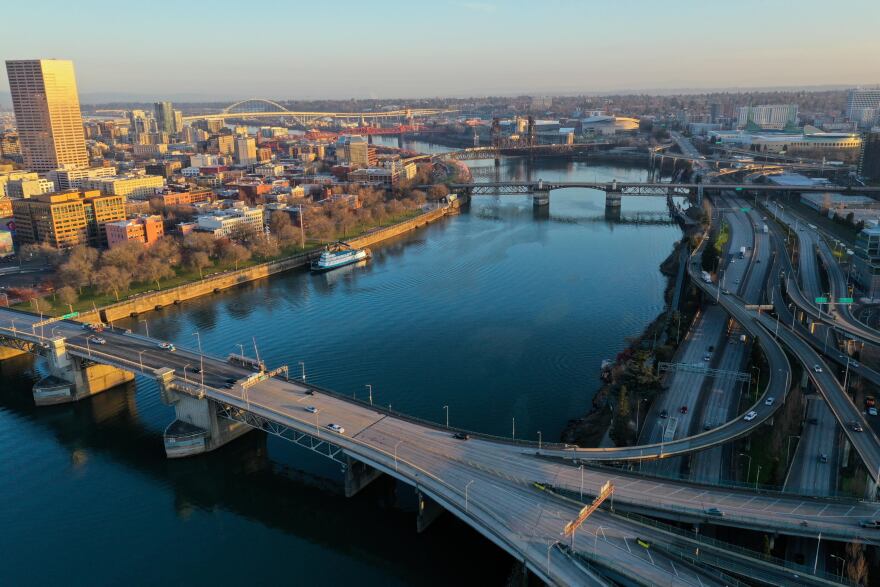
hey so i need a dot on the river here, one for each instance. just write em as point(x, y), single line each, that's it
point(499, 314)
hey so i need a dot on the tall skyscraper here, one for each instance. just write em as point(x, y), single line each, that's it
point(165, 119)
point(47, 114)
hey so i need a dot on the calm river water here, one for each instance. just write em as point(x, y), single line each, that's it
point(497, 313)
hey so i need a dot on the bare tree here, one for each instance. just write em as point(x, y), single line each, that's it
point(232, 252)
point(67, 295)
point(198, 260)
point(113, 279)
point(856, 565)
point(263, 248)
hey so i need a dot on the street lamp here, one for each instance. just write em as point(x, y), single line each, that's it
point(842, 562)
point(749, 470)
point(370, 391)
point(184, 372)
point(757, 476)
point(199, 340)
point(146, 326)
point(303, 366)
point(141, 359)
point(446, 409)
point(466, 494)
point(513, 428)
point(539, 440)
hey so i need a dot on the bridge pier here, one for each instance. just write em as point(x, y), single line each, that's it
point(71, 379)
point(612, 201)
point(541, 198)
point(198, 427)
point(358, 475)
point(429, 510)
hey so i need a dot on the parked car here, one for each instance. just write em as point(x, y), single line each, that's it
point(336, 428)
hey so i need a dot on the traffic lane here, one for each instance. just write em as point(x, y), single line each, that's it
point(809, 474)
point(845, 411)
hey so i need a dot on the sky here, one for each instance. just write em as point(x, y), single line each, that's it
point(219, 49)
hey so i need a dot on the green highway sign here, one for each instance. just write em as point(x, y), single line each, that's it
point(739, 189)
point(744, 209)
point(844, 300)
point(71, 315)
point(821, 300)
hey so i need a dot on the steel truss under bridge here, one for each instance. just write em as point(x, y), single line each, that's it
point(19, 344)
point(322, 447)
point(708, 372)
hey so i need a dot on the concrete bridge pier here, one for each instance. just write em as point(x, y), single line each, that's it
point(541, 197)
point(613, 200)
point(358, 475)
point(400, 141)
point(429, 510)
point(71, 379)
point(198, 426)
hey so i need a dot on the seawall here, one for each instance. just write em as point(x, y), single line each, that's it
point(159, 299)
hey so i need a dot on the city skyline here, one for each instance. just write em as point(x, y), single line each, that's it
point(343, 50)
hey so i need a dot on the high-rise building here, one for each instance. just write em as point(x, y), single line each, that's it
point(246, 151)
point(66, 219)
point(771, 117)
point(863, 106)
point(47, 114)
point(165, 119)
point(869, 158)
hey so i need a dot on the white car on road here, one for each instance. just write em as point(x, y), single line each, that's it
point(97, 340)
point(336, 428)
point(312, 409)
point(769, 401)
point(167, 346)
point(750, 416)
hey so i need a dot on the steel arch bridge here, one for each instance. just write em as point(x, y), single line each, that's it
point(252, 105)
point(265, 108)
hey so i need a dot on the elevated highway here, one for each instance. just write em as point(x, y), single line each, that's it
point(485, 481)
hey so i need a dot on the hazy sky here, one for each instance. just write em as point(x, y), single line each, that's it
point(398, 48)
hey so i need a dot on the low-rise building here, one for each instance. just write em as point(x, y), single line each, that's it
point(231, 222)
point(70, 178)
point(831, 203)
point(132, 185)
point(145, 229)
point(375, 176)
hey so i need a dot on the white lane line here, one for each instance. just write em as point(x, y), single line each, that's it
point(770, 505)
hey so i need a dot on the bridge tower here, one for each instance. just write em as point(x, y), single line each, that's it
point(612, 199)
point(540, 195)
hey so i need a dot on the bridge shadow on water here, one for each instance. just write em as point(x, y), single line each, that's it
point(262, 479)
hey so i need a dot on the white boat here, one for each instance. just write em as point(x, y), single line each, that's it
point(339, 255)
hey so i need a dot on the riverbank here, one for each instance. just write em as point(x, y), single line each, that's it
point(631, 376)
point(156, 300)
